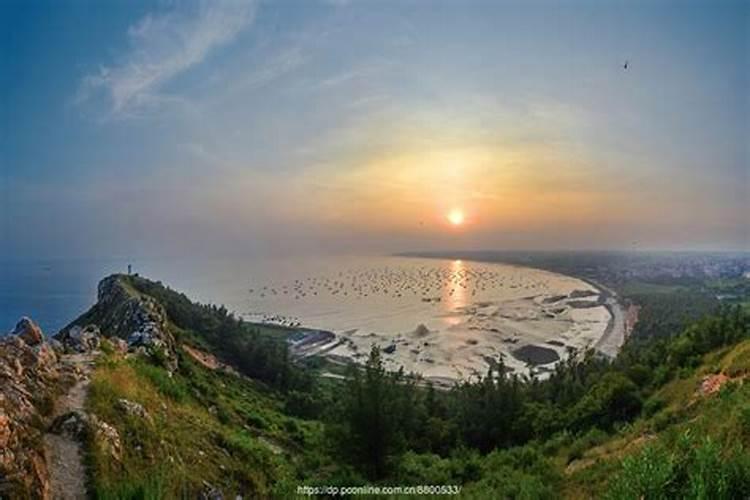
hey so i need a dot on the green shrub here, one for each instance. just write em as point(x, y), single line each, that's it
point(646, 475)
point(694, 470)
point(521, 473)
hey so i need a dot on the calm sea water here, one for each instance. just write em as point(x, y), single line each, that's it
point(441, 318)
point(336, 293)
point(446, 316)
point(52, 292)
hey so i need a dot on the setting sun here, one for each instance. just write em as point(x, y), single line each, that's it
point(456, 217)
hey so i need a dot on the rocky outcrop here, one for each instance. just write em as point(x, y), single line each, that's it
point(80, 340)
point(78, 425)
point(29, 378)
point(107, 439)
point(133, 409)
point(74, 424)
point(28, 331)
point(123, 312)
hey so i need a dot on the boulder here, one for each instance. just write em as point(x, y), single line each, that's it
point(107, 439)
point(80, 339)
point(74, 424)
point(421, 331)
point(28, 331)
point(133, 409)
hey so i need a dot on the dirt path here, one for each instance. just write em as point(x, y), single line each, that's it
point(62, 452)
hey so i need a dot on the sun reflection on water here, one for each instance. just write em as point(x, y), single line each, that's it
point(454, 292)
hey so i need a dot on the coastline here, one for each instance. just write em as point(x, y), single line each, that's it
point(528, 343)
point(617, 330)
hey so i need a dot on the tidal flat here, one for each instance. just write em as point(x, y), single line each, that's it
point(447, 320)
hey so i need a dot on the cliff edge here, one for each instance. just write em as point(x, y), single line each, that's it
point(122, 312)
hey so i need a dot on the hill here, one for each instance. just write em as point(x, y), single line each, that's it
point(185, 400)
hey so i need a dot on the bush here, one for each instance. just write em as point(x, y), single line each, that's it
point(303, 405)
point(614, 398)
point(646, 475)
point(695, 470)
point(522, 473)
point(414, 468)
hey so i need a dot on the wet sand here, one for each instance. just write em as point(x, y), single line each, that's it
point(530, 319)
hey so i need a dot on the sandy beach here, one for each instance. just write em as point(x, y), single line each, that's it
point(470, 318)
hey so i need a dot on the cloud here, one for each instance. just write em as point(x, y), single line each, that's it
point(162, 46)
point(283, 63)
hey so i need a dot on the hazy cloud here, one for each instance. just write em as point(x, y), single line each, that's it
point(164, 45)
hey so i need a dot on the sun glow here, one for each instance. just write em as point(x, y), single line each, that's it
point(456, 217)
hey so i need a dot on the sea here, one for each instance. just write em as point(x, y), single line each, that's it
point(443, 318)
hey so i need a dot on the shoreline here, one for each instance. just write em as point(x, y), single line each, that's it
point(535, 355)
point(616, 332)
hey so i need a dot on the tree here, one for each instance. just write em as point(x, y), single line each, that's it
point(379, 413)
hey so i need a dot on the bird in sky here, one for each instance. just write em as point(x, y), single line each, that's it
point(625, 66)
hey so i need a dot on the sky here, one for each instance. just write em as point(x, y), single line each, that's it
point(209, 128)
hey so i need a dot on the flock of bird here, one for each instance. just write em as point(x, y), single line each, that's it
point(428, 284)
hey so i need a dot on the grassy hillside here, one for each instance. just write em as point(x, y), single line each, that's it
point(203, 428)
point(692, 441)
point(669, 418)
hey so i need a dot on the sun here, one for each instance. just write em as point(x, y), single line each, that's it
point(456, 217)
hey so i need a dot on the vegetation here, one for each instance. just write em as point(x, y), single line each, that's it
point(637, 427)
point(257, 351)
point(202, 426)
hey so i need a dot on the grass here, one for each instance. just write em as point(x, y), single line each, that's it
point(637, 460)
point(237, 435)
point(205, 427)
point(234, 434)
point(737, 363)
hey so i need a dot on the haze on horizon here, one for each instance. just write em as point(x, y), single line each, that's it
point(155, 128)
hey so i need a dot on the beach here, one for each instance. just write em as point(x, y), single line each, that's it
point(447, 320)
point(475, 316)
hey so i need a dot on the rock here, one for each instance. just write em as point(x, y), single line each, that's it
point(711, 384)
point(133, 409)
point(148, 334)
point(28, 331)
point(107, 439)
point(4, 430)
point(119, 344)
point(210, 492)
point(28, 376)
point(56, 346)
point(390, 349)
point(75, 424)
point(80, 339)
point(88, 338)
point(421, 331)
